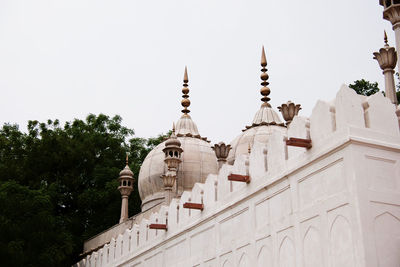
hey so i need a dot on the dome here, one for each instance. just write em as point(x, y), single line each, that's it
point(264, 123)
point(260, 134)
point(198, 161)
point(126, 172)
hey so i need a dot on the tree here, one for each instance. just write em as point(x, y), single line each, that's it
point(69, 176)
point(363, 87)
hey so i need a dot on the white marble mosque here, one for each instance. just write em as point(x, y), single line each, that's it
point(300, 191)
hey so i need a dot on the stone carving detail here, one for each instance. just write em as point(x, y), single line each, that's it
point(387, 59)
point(289, 110)
point(221, 151)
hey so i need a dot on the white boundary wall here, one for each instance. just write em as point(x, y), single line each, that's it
point(335, 205)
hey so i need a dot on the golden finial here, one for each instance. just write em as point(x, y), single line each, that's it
point(385, 38)
point(173, 127)
point(127, 157)
point(185, 101)
point(265, 91)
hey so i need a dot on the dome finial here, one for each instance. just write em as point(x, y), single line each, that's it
point(185, 101)
point(385, 38)
point(127, 158)
point(265, 91)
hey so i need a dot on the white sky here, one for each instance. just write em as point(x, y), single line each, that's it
point(66, 59)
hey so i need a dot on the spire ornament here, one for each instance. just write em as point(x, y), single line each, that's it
point(265, 91)
point(387, 60)
point(185, 91)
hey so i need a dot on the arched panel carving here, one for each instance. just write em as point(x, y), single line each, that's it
point(287, 253)
point(341, 243)
point(312, 248)
point(244, 261)
point(387, 239)
point(264, 257)
point(226, 264)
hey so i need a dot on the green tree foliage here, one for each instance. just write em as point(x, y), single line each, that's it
point(363, 87)
point(58, 186)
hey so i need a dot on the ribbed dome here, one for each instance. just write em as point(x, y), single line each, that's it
point(126, 172)
point(264, 123)
point(186, 126)
point(198, 161)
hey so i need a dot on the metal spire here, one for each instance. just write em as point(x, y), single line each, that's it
point(265, 91)
point(185, 101)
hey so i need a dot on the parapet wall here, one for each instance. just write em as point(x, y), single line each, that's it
point(335, 204)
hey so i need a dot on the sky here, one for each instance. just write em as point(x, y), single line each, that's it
point(66, 59)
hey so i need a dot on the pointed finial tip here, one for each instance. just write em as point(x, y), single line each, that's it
point(173, 127)
point(185, 76)
point(385, 37)
point(127, 158)
point(263, 58)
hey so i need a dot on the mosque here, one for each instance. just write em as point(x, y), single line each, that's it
point(313, 191)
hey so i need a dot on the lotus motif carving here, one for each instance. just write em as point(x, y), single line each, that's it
point(289, 110)
point(221, 151)
point(386, 57)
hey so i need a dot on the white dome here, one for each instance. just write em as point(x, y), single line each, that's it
point(264, 123)
point(198, 161)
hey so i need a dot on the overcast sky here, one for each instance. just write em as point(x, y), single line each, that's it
point(66, 59)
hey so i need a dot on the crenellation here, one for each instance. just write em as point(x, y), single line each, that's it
point(224, 186)
point(126, 241)
point(241, 167)
point(210, 190)
point(184, 214)
point(197, 197)
point(276, 157)
point(143, 231)
point(173, 215)
point(347, 102)
point(381, 115)
point(322, 122)
point(298, 128)
point(257, 161)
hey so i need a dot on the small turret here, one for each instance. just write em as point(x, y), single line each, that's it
point(125, 188)
point(172, 153)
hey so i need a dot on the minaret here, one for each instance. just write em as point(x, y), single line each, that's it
point(125, 187)
point(387, 59)
point(391, 12)
point(173, 153)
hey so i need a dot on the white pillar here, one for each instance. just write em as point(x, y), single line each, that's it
point(124, 209)
point(390, 90)
point(396, 29)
